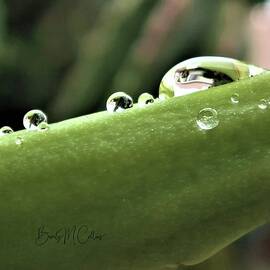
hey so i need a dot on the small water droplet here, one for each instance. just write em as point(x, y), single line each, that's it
point(207, 118)
point(19, 140)
point(6, 130)
point(118, 102)
point(145, 99)
point(235, 98)
point(33, 118)
point(43, 126)
point(263, 104)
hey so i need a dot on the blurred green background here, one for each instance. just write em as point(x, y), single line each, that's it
point(66, 57)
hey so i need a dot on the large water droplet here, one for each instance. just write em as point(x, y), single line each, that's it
point(263, 104)
point(19, 140)
point(207, 118)
point(145, 99)
point(235, 98)
point(6, 130)
point(118, 102)
point(33, 118)
point(43, 126)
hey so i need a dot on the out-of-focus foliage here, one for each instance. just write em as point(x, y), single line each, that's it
point(101, 53)
point(2, 22)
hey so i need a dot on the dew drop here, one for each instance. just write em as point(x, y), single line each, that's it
point(263, 104)
point(235, 98)
point(19, 140)
point(43, 126)
point(118, 102)
point(6, 130)
point(207, 119)
point(145, 99)
point(33, 118)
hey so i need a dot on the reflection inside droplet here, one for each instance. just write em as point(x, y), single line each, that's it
point(207, 119)
point(33, 118)
point(118, 102)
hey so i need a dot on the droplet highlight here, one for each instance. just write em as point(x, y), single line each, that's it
point(263, 104)
point(235, 98)
point(145, 99)
point(207, 119)
point(33, 118)
point(19, 141)
point(6, 130)
point(118, 102)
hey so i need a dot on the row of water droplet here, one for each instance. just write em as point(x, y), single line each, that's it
point(120, 101)
point(32, 120)
point(36, 120)
point(207, 118)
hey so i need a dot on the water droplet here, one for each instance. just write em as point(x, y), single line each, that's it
point(145, 99)
point(118, 102)
point(263, 104)
point(6, 130)
point(207, 118)
point(33, 118)
point(19, 140)
point(43, 126)
point(235, 98)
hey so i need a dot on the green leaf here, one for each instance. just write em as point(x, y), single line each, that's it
point(161, 191)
